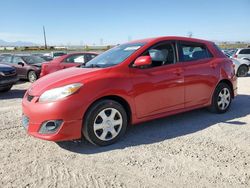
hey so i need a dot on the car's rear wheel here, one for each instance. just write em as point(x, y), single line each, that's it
point(105, 122)
point(5, 89)
point(242, 71)
point(32, 76)
point(222, 98)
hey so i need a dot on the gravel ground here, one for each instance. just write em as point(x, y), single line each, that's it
point(194, 149)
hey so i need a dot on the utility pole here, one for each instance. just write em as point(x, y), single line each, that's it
point(44, 35)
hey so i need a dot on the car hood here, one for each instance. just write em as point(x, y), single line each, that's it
point(62, 78)
point(4, 67)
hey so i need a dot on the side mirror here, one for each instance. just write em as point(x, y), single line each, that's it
point(20, 63)
point(142, 61)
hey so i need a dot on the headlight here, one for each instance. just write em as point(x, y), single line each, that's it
point(60, 92)
point(2, 74)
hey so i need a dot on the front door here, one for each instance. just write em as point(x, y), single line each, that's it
point(160, 87)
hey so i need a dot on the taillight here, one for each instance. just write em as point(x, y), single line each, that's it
point(43, 71)
point(235, 56)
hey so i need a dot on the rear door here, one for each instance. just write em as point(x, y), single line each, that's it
point(73, 61)
point(200, 70)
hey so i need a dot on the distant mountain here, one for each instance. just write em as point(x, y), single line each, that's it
point(17, 43)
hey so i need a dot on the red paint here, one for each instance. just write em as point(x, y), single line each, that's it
point(59, 63)
point(150, 93)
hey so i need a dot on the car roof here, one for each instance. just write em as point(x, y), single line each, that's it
point(149, 40)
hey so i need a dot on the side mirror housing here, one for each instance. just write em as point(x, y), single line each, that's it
point(142, 61)
point(20, 63)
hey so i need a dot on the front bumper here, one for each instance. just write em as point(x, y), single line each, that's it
point(6, 81)
point(35, 114)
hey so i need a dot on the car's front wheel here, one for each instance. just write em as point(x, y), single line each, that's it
point(105, 122)
point(32, 76)
point(222, 98)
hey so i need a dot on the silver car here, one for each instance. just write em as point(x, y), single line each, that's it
point(242, 53)
point(241, 67)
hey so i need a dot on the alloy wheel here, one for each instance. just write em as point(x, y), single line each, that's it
point(224, 99)
point(108, 124)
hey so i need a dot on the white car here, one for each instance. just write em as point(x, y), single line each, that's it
point(241, 67)
point(242, 53)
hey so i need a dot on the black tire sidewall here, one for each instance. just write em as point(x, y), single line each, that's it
point(242, 66)
point(215, 107)
point(88, 130)
point(32, 73)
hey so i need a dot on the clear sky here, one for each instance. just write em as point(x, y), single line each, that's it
point(116, 21)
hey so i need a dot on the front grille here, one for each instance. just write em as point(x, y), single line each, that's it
point(29, 97)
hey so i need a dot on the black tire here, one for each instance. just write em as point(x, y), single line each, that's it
point(92, 116)
point(242, 71)
point(32, 77)
point(220, 89)
point(5, 89)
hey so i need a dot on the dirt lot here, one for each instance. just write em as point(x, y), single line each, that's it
point(194, 149)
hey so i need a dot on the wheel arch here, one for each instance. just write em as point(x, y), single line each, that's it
point(28, 71)
point(118, 99)
point(244, 65)
point(245, 58)
point(229, 83)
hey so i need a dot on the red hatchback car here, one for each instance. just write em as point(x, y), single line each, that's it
point(67, 61)
point(131, 83)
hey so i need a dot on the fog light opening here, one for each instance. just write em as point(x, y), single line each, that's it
point(50, 126)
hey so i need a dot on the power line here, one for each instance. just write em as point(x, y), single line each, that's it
point(44, 35)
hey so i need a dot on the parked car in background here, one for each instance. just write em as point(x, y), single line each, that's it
point(45, 57)
point(128, 84)
point(242, 53)
point(27, 66)
point(55, 55)
point(8, 77)
point(241, 65)
point(67, 61)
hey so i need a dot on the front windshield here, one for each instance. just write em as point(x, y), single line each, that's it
point(33, 59)
point(114, 56)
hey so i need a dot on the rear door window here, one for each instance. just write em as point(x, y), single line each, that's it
point(245, 51)
point(79, 58)
point(193, 51)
